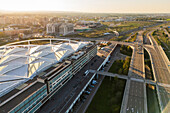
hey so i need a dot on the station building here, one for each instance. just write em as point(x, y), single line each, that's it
point(31, 74)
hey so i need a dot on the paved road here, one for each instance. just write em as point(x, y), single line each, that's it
point(136, 90)
point(83, 106)
point(161, 73)
point(136, 98)
point(70, 90)
point(62, 100)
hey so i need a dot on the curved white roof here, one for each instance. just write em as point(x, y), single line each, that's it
point(20, 63)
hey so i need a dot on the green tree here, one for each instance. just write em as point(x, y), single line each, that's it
point(125, 71)
point(120, 71)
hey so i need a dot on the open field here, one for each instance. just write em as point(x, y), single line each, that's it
point(110, 27)
point(124, 26)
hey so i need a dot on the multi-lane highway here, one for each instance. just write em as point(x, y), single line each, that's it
point(135, 100)
point(161, 73)
point(138, 59)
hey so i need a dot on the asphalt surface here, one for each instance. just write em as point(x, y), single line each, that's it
point(161, 70)
point(138, 60)
point(136, 93)
point(82, 106)
point(62, 100)
point(136, 98)
point(115, 55)
point(161, 73)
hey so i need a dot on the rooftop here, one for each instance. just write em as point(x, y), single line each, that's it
point(20, 63)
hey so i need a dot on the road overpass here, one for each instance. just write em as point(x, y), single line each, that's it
point(137, 74)
point(135, 90)
point(161, 72)
point(134, 99)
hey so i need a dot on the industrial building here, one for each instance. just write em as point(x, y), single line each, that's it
point(30, 74)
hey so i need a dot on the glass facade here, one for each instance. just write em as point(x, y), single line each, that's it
point(60, 78)
point(31, 101)
point(67, 73)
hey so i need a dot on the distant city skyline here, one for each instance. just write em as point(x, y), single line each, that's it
point(94, 6)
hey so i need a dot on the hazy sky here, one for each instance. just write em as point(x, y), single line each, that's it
point(106, 6)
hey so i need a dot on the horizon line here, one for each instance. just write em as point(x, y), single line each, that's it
point(27, 11)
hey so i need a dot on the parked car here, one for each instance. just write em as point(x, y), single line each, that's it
point(94, 82)
point(91, 86)
point(87, 92)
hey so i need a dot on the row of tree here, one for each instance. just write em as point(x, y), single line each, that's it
point(126, 50)
point(123, 66)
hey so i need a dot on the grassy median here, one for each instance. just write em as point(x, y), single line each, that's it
point(152, 101)
point(126, 50)
point(121, 66)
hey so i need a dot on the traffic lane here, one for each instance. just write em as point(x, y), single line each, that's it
point(161, 71)
point(64, 93)
point(83, 106)
point(137, 67)
point(83, 83)
point(136, 97)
